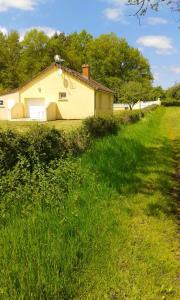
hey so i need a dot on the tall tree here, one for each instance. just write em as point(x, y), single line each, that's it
point(111, 56)
point(9, 60)
point(13, 55)
point(34, 54)
point(3, 47)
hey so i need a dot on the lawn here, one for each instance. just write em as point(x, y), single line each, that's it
point(22, 126)
point(102, 226)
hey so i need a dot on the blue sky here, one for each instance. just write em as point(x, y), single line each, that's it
point(158, 36)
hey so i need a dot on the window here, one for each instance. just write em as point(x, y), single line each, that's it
point(62, 96)
point(1, 102)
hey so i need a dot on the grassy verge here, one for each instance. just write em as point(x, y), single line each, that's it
point(23, 126)
point(103, 230)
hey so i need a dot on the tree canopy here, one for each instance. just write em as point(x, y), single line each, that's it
point(132, 92)
point(112, 60)
point(174, 92)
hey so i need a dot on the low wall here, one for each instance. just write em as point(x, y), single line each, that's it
point(51, 111)
point(138, 105)
point(17, 111)
point(3, 113)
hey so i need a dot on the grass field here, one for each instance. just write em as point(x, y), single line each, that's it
point(22, 126)
point(112, 236)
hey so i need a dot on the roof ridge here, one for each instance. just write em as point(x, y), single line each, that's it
point(91, 82)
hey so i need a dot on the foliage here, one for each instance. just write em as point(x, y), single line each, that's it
point(157, 93)
point(101, 126)
point(8, 150)
point(111, 59)
point(39, 144)
point(133, 92)
point(42, 145)
point(174, 92)
point(170, 102)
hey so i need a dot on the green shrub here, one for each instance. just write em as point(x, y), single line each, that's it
point(171, 102)
point(42, 144)
point(78, 141)
point(8, 150)
point(45, 143)
point(22, 191)
point(101, 126)
point(130, 116)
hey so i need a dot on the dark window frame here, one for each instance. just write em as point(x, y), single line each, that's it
point(62, 95)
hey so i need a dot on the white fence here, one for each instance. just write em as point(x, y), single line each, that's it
point(138, 105)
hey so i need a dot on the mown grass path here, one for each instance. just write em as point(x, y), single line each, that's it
point(135, 171)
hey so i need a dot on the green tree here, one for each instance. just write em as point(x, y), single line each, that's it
point(3, 57)
point(9, 60)
point(34, 54)
point(111, 56)
point(76, 49)
point(134, 91)
point(157, 92)
point(174, 92)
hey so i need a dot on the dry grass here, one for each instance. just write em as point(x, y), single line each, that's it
point(23, 126)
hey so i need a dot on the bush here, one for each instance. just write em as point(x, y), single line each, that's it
point(40, 144)
point(170, 102)
point(44, 143)
point(101, 126)
point(8, 150)
point(130, 116)
point(78, 141)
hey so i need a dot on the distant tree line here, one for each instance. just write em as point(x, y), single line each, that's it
point(112, 60)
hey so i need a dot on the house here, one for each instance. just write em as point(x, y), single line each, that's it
point(57, 93)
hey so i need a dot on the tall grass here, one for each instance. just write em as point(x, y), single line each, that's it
point(98, 227)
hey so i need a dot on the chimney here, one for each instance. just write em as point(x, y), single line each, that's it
point(86, 71)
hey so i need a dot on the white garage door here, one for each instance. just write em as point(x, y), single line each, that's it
point(36, 109)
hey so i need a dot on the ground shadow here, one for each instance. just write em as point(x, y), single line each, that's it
point(130, 167)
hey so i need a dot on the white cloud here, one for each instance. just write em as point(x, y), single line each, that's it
point(175, 70)
point(18, 4)
point(113, 14)
point(115, 11)
point(156, 21)
point(161, 43)
point(47, 30)
point(4, 30)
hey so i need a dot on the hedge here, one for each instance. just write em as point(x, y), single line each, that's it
point(43, 145)
point(171, 103)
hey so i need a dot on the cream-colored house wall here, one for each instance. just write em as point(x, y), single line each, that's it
point(12, 96)
point(79, 101)
point(9, 100)
point(104, 103)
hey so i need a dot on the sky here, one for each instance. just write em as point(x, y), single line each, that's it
point(157, 36)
